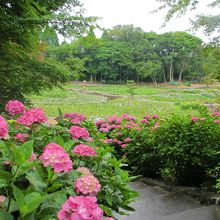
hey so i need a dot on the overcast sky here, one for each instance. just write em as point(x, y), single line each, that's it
point(137, 12)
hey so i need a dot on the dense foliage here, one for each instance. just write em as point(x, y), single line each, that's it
point(128, 53)
point(182, 149)
point(58, 169)
point(24, 28)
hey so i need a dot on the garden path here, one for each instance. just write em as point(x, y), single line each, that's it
point(155, 203)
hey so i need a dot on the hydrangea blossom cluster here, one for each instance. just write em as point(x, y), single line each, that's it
point(21, 137)
point(112, 122)
point(78, 132)
point(131, 124)
point(76, 118)
point(3, 128)
point(34, 115)
point(2, 198)
point(147, 118)
point(87, 185)
point(195, 119)
point(80, 208)
point(84, 150)
point(15, 107)
point(55, 156)
point(156, 125)
point(85, 171)
point(128, 117)
point(216, 114)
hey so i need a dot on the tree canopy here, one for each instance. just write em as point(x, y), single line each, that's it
point(26, 27)
point(128, 53)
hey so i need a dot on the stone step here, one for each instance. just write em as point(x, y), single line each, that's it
point(201, 213)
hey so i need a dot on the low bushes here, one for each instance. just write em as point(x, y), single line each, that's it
point(182, 149)
point(58, 169)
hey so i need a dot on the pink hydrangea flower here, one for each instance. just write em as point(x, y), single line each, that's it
point(108, 141)
point(127, 140)
point(108, 218)
point(84, 150)
point(156, 125)
point(123, 145)
point(105, 130)
point(217, 121)
point(2, 198)
point(155, 116)
point(34, 115)
point(87, 185)
point(105, 125)
point(75, 115)
point(112, 119)
point(76, 121)
point(78, 132)
point(15, 107)
point(216, 113)
point(99, 122)
point(147, 117)
point(119, 133)
point(80, 208)
point(3, 128)
point(128, 117)
point(55, 156)
point(143, 121)
point(21, 137)
point(195, 119)
point(118, 121)
point(85, 171)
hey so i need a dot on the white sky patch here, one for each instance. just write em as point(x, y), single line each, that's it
point(114, 12)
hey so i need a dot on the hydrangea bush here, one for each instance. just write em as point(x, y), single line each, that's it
point(58, 169)
point(183, 149)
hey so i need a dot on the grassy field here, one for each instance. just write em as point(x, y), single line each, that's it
point(102, 100)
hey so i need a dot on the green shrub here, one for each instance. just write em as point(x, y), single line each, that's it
point(188, 147)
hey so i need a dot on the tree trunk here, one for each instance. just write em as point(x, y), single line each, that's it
point(180, 75)
point(164, 76)
point(91, 78)
point(171, 71)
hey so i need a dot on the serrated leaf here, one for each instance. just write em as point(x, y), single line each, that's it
point(128, 208)
point(108, 199)
point(32, 201)
point(23, 152)
point(36, 180)
point(106, 209)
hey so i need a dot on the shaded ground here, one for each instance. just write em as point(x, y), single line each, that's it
point(155, 203)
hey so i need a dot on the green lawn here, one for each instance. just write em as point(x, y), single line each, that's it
point(148, 100)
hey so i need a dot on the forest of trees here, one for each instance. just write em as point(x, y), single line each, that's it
point(126, 53)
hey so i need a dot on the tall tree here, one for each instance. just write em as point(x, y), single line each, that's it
point(24, 68)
